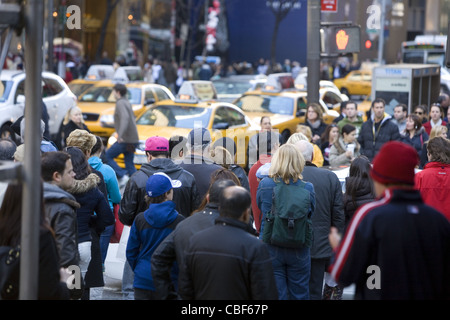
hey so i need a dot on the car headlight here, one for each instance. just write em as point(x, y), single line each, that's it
point(107, 121)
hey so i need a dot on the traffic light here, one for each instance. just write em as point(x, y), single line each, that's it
point(368, 44)
point(345, 39)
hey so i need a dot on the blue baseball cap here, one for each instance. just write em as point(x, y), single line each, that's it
point(159, 183)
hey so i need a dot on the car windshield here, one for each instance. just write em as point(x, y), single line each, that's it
point(176, 116)
point(5, 89)
point(228, 87)
point(266, 104)
point(79, 88)
point(104, 94)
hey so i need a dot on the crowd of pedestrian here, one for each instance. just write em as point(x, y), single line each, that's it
point(201, 227)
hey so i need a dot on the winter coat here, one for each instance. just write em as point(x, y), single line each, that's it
point(357, 124)
point(371, 139)
point(91, 225)
point(427, 126)
point(172, 249)
point(395, 232)
point(363, 194)
point(65, 130)
point(319, 130)
point(125, 121)
point(417, 141)
point(338, 156)
point(238, 267)
point(186, 197)
point(91, 201)
point(241, 175)
point(110, 178)
point(201, 169)
point(148, 230)
point(434, 185)
point(328, 211)
point(60, 210)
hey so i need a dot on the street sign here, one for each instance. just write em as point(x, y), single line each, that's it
point(329, 5)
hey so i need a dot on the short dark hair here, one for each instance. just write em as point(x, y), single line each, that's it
point(348, 128)
point(378, 100)
point(7, 149)
point(404, 107)
point(51, 162)
point(217, 188)
point(233, 202)
point(119, 87)
point(351, 102)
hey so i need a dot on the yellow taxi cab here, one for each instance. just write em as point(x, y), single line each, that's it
point(285, 104)
point(98, 103)
point(196, 106)
point(94, 74)
point(356, 82)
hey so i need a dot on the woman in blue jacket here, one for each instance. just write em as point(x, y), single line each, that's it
point(149, 229)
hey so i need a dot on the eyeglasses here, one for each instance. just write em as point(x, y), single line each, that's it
point(419, 113)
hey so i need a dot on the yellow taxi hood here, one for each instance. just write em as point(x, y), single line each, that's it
point(97, 107)
point(275, 118)
point(146, 131)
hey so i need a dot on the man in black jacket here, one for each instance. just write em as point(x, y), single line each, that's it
point(198, 161)
point(329, 213)
point(377, 130)
point(186, 198)
point(172, 249)
point(226, 249)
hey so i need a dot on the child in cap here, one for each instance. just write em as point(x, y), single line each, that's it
point(149, 229)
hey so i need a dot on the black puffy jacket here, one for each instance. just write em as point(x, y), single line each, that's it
point(226, 262)
point(372, 140)
point(186, 197)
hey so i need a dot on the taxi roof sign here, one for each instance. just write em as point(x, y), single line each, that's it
point(277, 82)
point(197, 90)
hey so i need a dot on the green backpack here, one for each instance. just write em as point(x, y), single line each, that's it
point(288, 224)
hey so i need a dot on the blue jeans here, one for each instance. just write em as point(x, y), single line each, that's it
point(292, 269)
point(115, 150)
point(105, 238)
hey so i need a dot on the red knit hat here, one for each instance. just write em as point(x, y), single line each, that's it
point(395, 163)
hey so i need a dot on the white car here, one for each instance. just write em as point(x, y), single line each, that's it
point(55, 93)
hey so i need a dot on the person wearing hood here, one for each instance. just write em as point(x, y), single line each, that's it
point(377, 130)
point(149, 229)
point(415, 134)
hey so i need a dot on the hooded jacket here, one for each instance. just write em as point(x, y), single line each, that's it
point(149, 229)
point(91, 201)
point(60, 210)
point(371, 138)
point(434, 185)
point(186, 197)
point(109, 175)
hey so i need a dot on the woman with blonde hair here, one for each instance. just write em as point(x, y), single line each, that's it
point(292, 265)
point(72, 120)
point(317, 156)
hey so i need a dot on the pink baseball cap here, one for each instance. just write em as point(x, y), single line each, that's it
point(157, 144)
